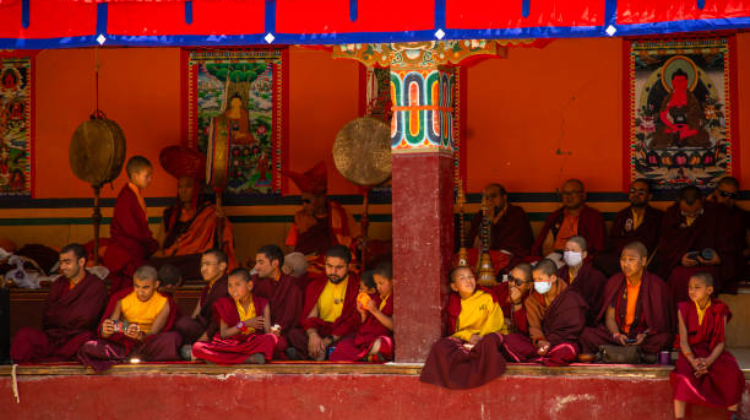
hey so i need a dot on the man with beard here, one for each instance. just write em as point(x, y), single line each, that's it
point(330, 310)
point(510, 231)
point(573, 218)
point(72, 310)
point(736, 225)
point(638, 222)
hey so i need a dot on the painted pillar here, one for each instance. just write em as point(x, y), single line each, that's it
point(422, 146)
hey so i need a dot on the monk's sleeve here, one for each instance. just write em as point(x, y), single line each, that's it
point(129, 216)
point(534, 317)
point(520, 321)
point(598, 234)
point(495, 321)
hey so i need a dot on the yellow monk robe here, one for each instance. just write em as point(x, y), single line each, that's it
point(246, 315)
point(632, 292)
point(480, 315)
point(702, 312)
point(142, 313)
point(331, 301)
point(637, 219)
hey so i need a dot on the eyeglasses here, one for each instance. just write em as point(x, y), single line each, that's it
point(728, 194)
point(638, 191)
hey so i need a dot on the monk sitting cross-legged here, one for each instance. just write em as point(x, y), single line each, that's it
point(636, 309)
point(556, 315)
point(470, 356)
point(330, 311)
point(281, 291)
point(245, 334)
point(71, 313)
point(136, 324)
point(374, 339)
point(581, 275)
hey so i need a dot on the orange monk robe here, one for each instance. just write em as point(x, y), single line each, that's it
point(314, 235)
point(200, 235)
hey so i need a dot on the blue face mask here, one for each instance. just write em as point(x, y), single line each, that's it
point(542, 287)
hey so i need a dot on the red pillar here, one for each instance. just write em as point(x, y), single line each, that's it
point(422, 205)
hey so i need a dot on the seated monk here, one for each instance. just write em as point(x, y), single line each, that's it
point(281, 290)
point(520, 284)
point(556, 315)
point(71, 313)
point(245, 332)
point(374, 339)
point(574, 218)
point(136, 324)
point(688, 228)
point(736, 225)
point(636, 309)
point(470, 356)
point(637, 222)
point(330, 310)
point(193, 225)
point(322, 223)
point(581, 275)
point(295, 265)
point(510, 231)
point(170, 280)
point(200, 325)
point(131, 241)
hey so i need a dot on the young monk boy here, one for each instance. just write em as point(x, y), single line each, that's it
point(169, 279)
point(244, 320)
point(556, 315)
point(131, 241)
point(367, 283)
point(136, 324)
point(374, 339)
point(706, 373)
point(470, 356)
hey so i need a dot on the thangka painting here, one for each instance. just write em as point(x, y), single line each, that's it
point(248, 87)
point(679, 129)
point(16, 114)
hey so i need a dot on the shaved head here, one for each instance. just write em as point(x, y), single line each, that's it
point(637, 247)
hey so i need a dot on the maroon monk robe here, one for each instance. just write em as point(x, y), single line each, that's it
point(735, 270)
point(192, 329)
point(723, 385)
point(345, 325)
point(511, 233)
point(239, 347)
point(590, 226)
point(676, 239)
point(130, 240)
point(69, 320)
point(562, 325)
point(285, 298)
point(654, 312)
point(357, 348)
point(453, 366)
point(103, 353)
point(589, 283)
point(622, 233)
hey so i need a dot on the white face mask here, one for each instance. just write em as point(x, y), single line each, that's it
point(572, 258)
point(542, 287)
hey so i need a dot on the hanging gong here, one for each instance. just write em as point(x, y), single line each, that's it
point(362, 151)
point(97, 151)
point(217, 153)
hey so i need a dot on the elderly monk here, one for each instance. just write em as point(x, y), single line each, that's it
point(322, 223)
point(71, 312)
point(510, 235)
point(636, 310)
point(136, 324)
point(201, 326)
point(574, 218)
point(281, 291)
point(637, 222)
point(581, 275)
point(693, 238)
point(193, 225)
point(330, 310)
point(556, 315)
point(736, 224)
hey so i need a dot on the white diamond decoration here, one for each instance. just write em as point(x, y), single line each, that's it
point(611, 30)
point(439, 34)
point(269, 38)
point(101, 39)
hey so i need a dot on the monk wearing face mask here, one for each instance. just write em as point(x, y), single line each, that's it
point(581, 275)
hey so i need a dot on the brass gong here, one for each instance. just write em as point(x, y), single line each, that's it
point(97, 151)
point(362, 151)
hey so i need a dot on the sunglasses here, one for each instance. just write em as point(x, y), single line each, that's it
point(306, 201)
point(518, 282)
point(727, 194)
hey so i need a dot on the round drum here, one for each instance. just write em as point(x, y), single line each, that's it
point(362, 151)
point(217, 152)
point(97, 151)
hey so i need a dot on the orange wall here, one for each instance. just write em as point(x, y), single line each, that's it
point(140, 89)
